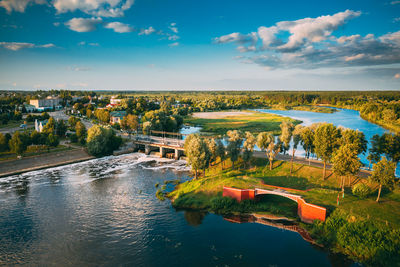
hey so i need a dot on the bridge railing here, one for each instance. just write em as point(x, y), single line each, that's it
point(159, 140)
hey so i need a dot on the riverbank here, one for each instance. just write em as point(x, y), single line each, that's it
point(375, 226)
point(43, 161)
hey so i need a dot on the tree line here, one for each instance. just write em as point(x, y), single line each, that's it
point(334, 145)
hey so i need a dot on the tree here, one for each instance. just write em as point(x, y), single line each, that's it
point(389, 115)
point(3, 143)
point(52, 140)
point(383, 174)
point(326, 141)
point(80, 130)
point(248, 147)
point(17, 144)
point(307, 140)
point(196, 151)
point(72, 122)
point(35, 137)
point(130, 123)
point(296, 140)
point(102, 115)
point(286, 135)
point(212, 148)
point(102, 141)
point(345, 161)
point(221, 153)
point(355, 137)
point(50, 126)
point(61, 128)
point(266, 142)
point(375, 151)
point(235, 141)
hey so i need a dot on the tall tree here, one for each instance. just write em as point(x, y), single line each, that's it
point(212, 149)
point(130, 123)
point(60, 128)
point(235, 141)
point(102, 141)
point(3, 143)
point(221, 153)
point(286, 135)
point(296, 140)
point(266, 142)
point(346, 162)
point(50, 126)
point(307, 140)
point(196, 151)
point(376, 149)
point(248, 147)
point(350, 136)
point(326, 140)
point(383, 174)
point(17, 144)
point(80, 130)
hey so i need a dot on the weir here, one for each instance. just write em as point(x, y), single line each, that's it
point(164, 145)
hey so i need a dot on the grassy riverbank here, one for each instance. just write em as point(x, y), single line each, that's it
point(220, 122)
point(376, 225)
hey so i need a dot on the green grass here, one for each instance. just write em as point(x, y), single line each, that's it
point(197, 193)
point(311, 108)
point(10, 155)
point(254, 122)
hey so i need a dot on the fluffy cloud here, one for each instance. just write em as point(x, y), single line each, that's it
point(83, 25)
point(15, 46)
point(309, 43)
point(173, 44)
point(19, 5)
point(395, 2)
point(237, 38)
point(147, 31)
point(99, 8)
point(119, 27)
point(397, 76)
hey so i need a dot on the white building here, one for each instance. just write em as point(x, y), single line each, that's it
point(39, 125)
point(45, 104)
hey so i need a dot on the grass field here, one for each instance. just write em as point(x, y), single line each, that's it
point(311, 108)
point(255, 122)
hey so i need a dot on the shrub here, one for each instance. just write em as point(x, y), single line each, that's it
point(220, 204)
point(361, 190)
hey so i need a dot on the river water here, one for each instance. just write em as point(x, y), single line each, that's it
point(104, 212)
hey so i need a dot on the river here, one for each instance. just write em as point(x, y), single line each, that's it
point(104, 212)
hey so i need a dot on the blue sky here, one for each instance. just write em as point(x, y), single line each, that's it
point(202, 45)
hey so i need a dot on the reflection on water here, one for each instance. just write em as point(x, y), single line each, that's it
point(104, 212)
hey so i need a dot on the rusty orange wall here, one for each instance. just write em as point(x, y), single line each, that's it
point(309, 213)
point(238, 194)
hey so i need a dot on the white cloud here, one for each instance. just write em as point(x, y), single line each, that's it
point(56, 24)
point(83, 25)
point(119, 27)
point(173, 37)
point(355, 57)
point(395, 2)
point(173, 27)
point(15, 46)
point(173, 44)
point(147, 31)
point(100, 8)
point(237, 38)
point(19, 5)
point(396, 19)
point(397, 76)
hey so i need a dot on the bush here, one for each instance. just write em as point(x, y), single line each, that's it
point(221, 204)
point(361, 190)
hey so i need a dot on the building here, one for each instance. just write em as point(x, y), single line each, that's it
point(115, 101)
point(117, 116)
point(39, 125)
point(46, 104)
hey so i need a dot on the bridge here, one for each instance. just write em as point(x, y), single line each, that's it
point(166, 146)
point(306, 211)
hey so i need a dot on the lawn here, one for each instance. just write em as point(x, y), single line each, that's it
point(254, 122)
